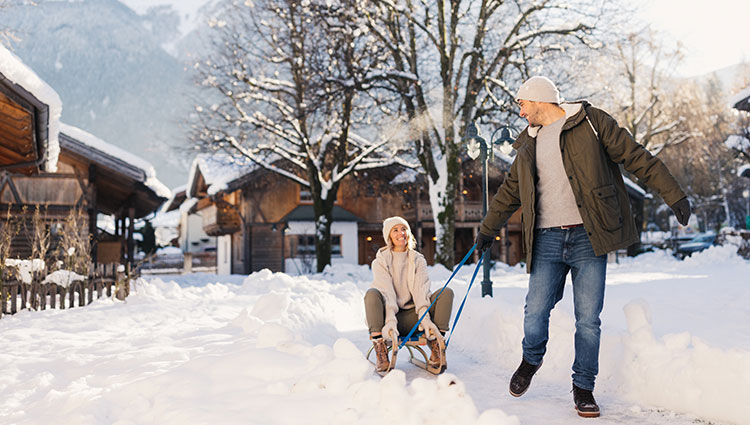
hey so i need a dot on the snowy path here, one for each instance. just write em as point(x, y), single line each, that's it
point(277, 349)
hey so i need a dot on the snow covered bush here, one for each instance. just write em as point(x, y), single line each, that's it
point(739, 238)
point(8, 230)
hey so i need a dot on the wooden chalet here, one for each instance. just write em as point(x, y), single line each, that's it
point(262, 220)
point(60, 168)
point(119, 185)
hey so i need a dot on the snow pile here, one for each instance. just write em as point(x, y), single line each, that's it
point(683, 373)
point(276, 349)
point(12, 68)
point(63, 278)
point(25, 268)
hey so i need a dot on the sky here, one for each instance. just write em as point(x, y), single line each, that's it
point(714, 32)
point(281, 349)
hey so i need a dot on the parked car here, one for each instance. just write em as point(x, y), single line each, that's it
point(674, 241)
point(697, 244)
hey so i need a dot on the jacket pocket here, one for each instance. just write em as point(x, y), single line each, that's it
point(607, 207)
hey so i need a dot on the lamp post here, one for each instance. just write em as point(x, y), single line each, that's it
point(478, 147)
point(746, 195)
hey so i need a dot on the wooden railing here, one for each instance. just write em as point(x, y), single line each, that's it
point(16, 295)
point(188, 262)
point(465, 211)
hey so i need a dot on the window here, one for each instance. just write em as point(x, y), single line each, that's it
point(336, 245)
point(305, 196)
point(306, 245)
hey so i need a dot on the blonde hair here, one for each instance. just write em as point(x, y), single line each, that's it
point(388, 224)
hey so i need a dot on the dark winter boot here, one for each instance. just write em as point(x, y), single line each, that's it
point(381, 355)
point(585, 403)
point(521, 379)
point(437, 362)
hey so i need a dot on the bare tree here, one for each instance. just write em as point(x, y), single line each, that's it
point(455, 62)
point(705, 167)
point(9, 229)
point(283, 90)
point(642, 90)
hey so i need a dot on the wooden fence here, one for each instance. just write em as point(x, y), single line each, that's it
point(103, 279)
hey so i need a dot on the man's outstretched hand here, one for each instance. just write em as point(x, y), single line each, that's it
point(681, 210)
point(483, 241)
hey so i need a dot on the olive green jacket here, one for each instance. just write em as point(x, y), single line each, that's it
point(591, 164)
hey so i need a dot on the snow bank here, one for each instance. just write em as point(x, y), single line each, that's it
point(275, 349)
point(682, 373)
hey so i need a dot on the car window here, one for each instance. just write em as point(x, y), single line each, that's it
point(705, 238)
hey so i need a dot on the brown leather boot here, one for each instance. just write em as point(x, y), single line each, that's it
point(437, 362)
point(381, 355)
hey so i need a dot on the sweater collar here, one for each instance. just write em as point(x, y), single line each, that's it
point(571, 109)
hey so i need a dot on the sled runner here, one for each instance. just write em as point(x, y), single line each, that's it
point(415, 343)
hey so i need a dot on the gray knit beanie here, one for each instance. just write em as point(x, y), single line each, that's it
point(538, 89)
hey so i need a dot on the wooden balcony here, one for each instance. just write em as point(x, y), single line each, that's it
point(221, 219)
point(40, 189)
point(468, 211)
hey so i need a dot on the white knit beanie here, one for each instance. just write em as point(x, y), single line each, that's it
point(538, 89)
point(388, 224)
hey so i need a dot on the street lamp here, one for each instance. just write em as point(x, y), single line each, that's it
point(477, 147)
point(746, 195)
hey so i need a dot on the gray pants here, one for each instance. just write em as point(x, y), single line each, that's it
point(440, 313)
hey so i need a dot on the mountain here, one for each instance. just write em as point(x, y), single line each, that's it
point(110, 68)
point(731, 79)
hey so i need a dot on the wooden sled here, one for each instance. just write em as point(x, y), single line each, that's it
point(414, 343)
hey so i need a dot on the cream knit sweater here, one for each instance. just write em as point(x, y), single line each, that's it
point(401, 289)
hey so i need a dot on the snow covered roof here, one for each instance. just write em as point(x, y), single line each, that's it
point(218, 170)
point(407, 176)
point(174, 201)
point(166, 219)
point(741, 100)
point(306, 213)
point(21, 79)
point(114, 157)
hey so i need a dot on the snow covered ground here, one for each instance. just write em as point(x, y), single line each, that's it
point(278, 349)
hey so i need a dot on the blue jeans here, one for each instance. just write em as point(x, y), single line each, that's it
point(557, 251)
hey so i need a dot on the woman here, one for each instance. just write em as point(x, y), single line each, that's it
point(400, 294)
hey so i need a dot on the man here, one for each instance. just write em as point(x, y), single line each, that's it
point(574, 208)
